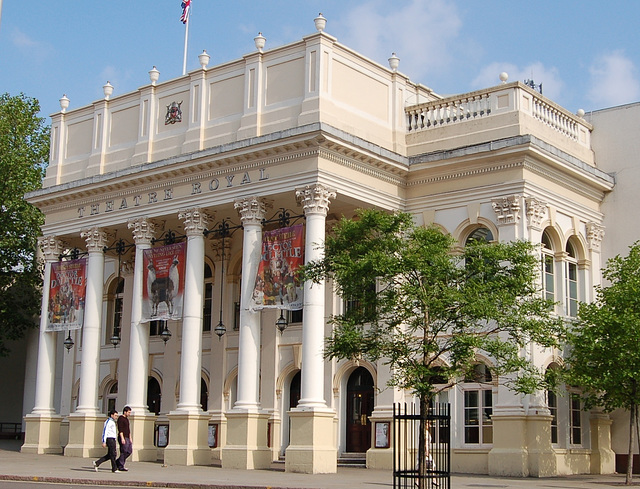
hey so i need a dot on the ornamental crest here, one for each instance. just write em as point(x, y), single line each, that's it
point(174, 113)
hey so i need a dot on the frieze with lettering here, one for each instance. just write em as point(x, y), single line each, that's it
point(166, 194)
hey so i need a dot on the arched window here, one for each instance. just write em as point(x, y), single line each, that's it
point(480, 234)
point(208, 299)
point(548, 275)
point(110, 397)
point(571, 279)
point(478, 405)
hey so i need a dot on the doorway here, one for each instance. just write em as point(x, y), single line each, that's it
point(359, 409)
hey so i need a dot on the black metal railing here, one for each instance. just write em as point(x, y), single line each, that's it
point(437, 452)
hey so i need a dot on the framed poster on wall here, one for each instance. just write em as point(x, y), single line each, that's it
point(382, 434)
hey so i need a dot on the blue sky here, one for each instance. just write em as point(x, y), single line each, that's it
point(585, 53)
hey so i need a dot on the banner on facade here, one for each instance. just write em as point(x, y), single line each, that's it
point(277, 284)
point(163, 282)
point(67, 292)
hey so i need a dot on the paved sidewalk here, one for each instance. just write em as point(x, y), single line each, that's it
point(56, 468)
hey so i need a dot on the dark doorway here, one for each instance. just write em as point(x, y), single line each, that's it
point(359, 408)
point(154, 396)
point(294, 390)
point(204, 395)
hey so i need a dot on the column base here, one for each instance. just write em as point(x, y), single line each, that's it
point(509, 457)
point(603, 459)
point(142, 433)
point(188, 439)
point(542, 458)
point(42, 434)
point(312, 449)
point(246, 446)
point(85, 435)
point(381, 458)
point(220, 420)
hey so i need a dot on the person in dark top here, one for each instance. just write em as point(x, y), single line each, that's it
point(124, 438)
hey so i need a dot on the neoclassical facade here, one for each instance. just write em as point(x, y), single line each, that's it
point(310, 132)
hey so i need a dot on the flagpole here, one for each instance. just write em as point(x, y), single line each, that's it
point(186, 41)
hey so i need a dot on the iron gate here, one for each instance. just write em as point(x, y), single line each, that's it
point(405, 438)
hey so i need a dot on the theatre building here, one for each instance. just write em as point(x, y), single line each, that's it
point(160, 200)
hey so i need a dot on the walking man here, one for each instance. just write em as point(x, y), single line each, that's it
point(109, 435)
point(124, 438)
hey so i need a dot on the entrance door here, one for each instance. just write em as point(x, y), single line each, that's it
point(359, 408)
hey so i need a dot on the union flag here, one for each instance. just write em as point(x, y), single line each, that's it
point(186, 7)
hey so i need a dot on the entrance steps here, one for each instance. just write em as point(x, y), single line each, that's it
point(351, 459)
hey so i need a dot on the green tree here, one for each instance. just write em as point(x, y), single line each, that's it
point(426, 306)
point(603, 354)
point(24, 152)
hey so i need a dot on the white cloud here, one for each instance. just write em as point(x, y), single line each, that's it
point(549, 77)
point(22, 40)
point(613, 80)
point(420, 32)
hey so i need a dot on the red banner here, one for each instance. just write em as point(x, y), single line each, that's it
point(277, 284)
point(67, 293)
point(163, 282)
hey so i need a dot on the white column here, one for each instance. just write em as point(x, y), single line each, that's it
point(195, 221)
point(96, 240)
point(143, 231)
point(315, 202)
point(46, 366)
point(252, 211)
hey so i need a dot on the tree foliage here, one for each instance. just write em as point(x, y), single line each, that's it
point(603, 354)
point(426, 307)
point(24, 151)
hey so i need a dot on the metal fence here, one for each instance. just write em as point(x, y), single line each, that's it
point(406, 440)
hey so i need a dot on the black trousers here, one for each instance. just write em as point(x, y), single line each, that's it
point(110, 455)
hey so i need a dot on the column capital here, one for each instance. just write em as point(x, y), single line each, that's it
point(595, 235)
point(143, 230)
point(51, 247)
point(251, 209)
point(507, 209)
point(95, 238)
point(315, 199)
point(536, 211)
point(195, 220)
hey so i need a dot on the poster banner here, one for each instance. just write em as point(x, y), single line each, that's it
point(163, 282)
point(67, 293)
point(277, 284)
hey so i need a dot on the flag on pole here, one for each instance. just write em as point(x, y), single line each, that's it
point(186, 6)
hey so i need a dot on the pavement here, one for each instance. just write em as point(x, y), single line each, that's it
point(16, 466)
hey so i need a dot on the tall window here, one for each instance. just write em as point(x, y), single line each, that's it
point(116, 306)
point(111, 397)
point(478, 406)
point(575, 419)
point(548, 276)
point(571, 276)
point(208, 299)
point(552, 403)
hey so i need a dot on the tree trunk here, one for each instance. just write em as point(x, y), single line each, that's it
point(422, 442)
point(632, 432)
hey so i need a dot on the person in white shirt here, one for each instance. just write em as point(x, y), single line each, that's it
point(109, 435)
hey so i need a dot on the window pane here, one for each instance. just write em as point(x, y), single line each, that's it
point(472, 435)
